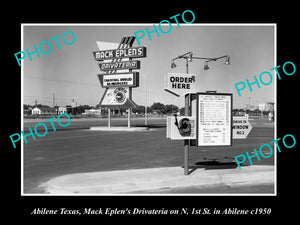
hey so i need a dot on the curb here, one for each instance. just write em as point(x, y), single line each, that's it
point(100, 128)
point(126, 181)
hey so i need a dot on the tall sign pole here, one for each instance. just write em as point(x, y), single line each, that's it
point(186, 141)
point(130, 96)
point(108, 117)
point(146, 122)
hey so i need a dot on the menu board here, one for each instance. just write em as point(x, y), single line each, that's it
point(214, 119)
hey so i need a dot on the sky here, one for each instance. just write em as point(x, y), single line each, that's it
point(71, 72)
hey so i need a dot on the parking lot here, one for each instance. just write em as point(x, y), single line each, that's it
point(76, 149)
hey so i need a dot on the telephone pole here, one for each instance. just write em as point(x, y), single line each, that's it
point(53, 99)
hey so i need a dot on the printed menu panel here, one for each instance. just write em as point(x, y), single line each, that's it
point(214, 119)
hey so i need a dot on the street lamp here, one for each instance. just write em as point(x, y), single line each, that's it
point(227, 62)
point(189, 58)
point(173, 65)
point(206, 66)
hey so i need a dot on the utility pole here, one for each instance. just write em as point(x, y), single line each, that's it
point(146, 122)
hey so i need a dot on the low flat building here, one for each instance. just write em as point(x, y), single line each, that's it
point(43, 110)
point(92, 111)
point(62, 110)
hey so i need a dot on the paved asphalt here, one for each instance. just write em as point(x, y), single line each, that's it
point(76, 149)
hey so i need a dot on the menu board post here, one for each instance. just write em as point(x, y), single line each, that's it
point(186, 141)
point(186, 113)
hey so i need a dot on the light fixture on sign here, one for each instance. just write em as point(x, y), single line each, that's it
point(173, 65)
point(227, 62)
point(190, 58)
point(206, 66)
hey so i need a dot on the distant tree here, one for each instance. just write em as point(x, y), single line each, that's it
point(41, 105)
point(140, 109)
point(27, 106)
point(256, 112)
point(159, 107)
point(182, 111)
point(81, 109)
point(149, 110)
point(164, 109)
point(170, 109)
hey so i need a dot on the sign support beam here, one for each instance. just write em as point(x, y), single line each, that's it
point(108, 117)
point(130, 96)
point(128, 119)
point(186, 142)
point(146, 122)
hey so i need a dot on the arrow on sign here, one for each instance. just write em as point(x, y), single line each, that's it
point(240, 127)
point(180, 84)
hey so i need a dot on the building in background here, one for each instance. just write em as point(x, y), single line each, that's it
point(27, 110)
point(95, 112)
point(61, 110)
point(43, 110)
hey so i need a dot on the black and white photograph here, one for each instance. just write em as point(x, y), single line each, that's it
point(98, 126)
point(187, 115)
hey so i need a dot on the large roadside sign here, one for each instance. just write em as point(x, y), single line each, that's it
point(240, 127)
point(119, 85)
point(214, 119)
point(180, 84)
